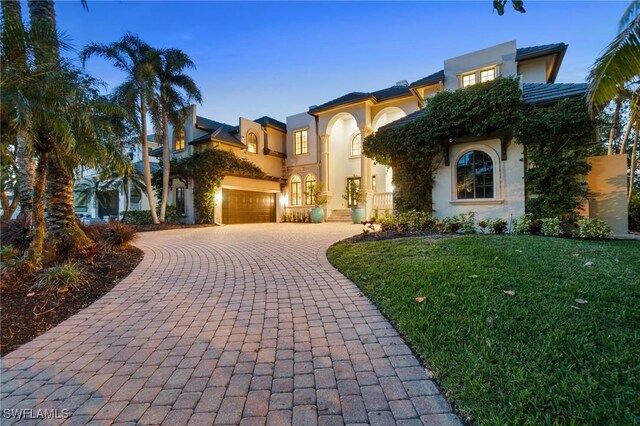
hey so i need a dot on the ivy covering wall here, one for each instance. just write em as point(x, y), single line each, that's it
point(557, 140)
point(206, 169)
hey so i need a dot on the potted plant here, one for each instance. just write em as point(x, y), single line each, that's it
point(358, 196)
point(319, 200)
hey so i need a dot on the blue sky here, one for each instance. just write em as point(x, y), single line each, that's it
point(278, 58)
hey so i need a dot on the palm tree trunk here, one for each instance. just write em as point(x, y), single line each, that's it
point(627, 131)
point(63, 229)
point(127, 196)
point(615, 126)
point(166, 165)
point(8, 208)
point(634, 159)
point(39, 225)
point(26, 168)
point(146, 166)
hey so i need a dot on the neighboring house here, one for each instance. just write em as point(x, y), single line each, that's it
point(114, 203)
point(324, 145)
point(240, 199)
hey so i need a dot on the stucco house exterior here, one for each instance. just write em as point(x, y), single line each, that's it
point(324, 145)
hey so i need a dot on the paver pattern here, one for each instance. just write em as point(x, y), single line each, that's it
point(244, 324)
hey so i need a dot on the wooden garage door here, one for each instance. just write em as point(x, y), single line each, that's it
point(247, 207)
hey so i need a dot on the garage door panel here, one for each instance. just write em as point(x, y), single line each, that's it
point(247, 206)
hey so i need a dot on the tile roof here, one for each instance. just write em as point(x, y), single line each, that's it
point(222, 132)
point(525, 53)
point(154, 166)
point(377, 96)
point(532, 93)
point(266, 120)
point(543, 93)
point(349, 97)
point(434, 78)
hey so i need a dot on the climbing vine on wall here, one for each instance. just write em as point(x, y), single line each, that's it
point(416, 149)
point(557, 140)
point(207, 169)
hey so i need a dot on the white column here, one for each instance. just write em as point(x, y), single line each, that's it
point(365, 174)
point(324, 170)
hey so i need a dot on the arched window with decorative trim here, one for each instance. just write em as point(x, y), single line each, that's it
point(296, 191)
point(178, 140)
point(309, 185)
point(474, 176)
point(356, 145)
point(252, 143)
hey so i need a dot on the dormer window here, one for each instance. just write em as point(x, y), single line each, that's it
point(478, 76)
point(252, 143)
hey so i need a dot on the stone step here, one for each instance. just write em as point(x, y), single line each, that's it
point(340, 215)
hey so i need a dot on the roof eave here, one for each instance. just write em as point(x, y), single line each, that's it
point(341, 105)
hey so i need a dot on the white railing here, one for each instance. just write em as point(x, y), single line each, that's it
point(383, 200)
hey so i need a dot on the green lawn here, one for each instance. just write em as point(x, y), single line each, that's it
point(532, 358)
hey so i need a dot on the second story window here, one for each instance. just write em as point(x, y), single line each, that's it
point(478, 76)
point(300, 142)
point(178, 140)
point(356, 145)
point(252, 143)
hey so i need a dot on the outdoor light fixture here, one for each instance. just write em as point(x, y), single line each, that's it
point(218, 196)
point(284, 200)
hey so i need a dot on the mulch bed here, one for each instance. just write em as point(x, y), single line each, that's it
point(167, 226)
point(24, 318)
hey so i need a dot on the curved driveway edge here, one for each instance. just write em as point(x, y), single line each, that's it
point(244, 324)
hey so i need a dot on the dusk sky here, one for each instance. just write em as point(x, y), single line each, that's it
point(277, 59)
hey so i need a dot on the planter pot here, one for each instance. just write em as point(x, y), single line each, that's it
point(357, 214)
point(317, 215)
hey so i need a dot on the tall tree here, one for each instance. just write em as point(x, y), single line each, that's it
point(14, 67)
point(136, 58)
point(176, 90)
point(63, 229)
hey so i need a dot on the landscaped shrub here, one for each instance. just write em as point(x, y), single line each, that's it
point(67, 275)
point(551, 227)
point(17, 233)
point(592, 228)
point(493, 225)
point(414, 221)
point(527, 225)
point(387, 222)
point(139, 217)
point(143, 217)
point(115, 234)
point(464, 222)
point(8, 257)
point(634, 211)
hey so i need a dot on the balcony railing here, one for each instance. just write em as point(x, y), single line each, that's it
point(383, 200)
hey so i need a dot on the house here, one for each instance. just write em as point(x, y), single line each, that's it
point(324, 145)
point(107, 198)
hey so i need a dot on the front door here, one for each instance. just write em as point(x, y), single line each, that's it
point(351, 199)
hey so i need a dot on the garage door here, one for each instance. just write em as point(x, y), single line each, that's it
point(247, 207)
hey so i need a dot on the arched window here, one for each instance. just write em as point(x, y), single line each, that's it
point(252, 143)
point(309, 185)
point(296, 191)
point(178, 140)
point(356, 145)
point(474, 171)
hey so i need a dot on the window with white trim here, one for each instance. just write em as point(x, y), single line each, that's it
point(296, 191)
point(309, 185)
point(478, 76)
point(300, 142)
point(356, 145)
point(252, 143)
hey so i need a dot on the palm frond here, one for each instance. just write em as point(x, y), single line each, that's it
point(618, 65)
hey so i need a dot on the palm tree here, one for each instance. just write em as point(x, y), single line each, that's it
point(14, 67)
point(176, 90)
point(617, 73)
point(136, 58)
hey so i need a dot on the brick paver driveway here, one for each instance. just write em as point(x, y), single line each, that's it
point(241, 324)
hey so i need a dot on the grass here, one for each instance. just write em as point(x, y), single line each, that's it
point(538, 357)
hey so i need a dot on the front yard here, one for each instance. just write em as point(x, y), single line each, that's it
point(564, 349)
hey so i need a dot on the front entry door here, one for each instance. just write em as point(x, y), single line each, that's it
point(351, 201)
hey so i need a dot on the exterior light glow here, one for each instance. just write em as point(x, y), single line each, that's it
point(218, 196)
